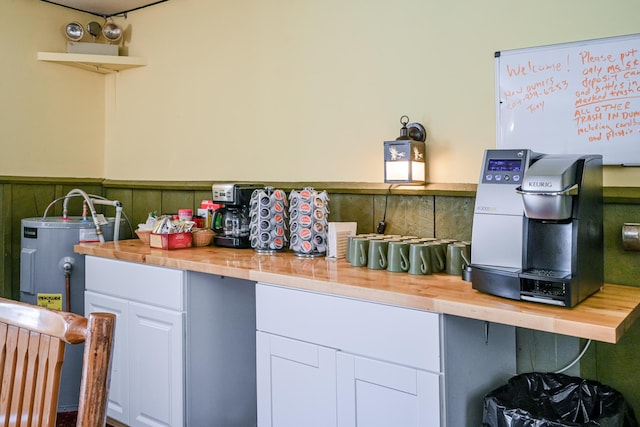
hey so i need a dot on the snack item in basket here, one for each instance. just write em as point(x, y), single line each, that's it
point(167, 225)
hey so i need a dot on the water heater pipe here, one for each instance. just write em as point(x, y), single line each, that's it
point(118, 206)
point(92, 209)
point(91, 202)
point(67, 267)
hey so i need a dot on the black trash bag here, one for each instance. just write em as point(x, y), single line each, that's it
point(555, 400)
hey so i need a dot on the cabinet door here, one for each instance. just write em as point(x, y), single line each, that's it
point(118, 406)
point(157, 366)
point(296, 383)
point(379, 394)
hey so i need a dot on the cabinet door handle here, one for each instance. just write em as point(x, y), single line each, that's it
point(486, 332)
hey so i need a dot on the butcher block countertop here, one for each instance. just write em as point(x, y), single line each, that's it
point(605, 316)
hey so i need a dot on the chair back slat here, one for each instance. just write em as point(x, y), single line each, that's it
point(32, 343)
point(96, 369)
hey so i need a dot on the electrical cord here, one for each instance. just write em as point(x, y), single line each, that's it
point(584, 350)
point(382, 225)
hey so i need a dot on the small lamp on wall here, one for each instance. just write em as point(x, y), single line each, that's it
point(404, 158)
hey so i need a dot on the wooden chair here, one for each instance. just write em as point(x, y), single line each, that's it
point(32, 341)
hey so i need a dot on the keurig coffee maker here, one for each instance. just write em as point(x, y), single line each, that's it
point(537, 227)
point(231, 221)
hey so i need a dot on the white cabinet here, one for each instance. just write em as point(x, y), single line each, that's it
point(378, 394)
point(345, 362)
point(149, 344)
point(184, 352)
point(156, 362)
point(148, 372)
point(301, 382)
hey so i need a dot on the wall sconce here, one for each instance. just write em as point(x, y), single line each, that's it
point(404, 158)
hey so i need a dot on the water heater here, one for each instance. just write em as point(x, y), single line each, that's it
point(52, 275)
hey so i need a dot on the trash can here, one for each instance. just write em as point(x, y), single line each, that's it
point(555, 400)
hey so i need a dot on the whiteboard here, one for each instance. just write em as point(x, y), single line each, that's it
point(579, 98)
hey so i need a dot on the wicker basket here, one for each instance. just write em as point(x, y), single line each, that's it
point(143, 235)
point(202, 237)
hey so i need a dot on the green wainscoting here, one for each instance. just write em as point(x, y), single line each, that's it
point(434, 210)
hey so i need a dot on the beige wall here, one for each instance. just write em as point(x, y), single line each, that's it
point(51, 116)
point(290, 90)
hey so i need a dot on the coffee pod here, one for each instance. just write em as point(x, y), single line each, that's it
point(278, 206)
point(305, 208)
point(265, 224)
point(306, 234)
point(305, 248)
point(305, 221)
point(265, 212)
point(277, 243)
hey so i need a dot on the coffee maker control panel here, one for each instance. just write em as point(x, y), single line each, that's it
point(223, 193)
point(504, 166)
point(233, 194)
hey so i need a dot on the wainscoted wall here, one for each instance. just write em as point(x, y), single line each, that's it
point(436, 210)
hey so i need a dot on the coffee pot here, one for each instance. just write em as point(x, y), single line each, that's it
point(231, 221)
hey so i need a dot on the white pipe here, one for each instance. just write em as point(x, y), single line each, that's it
point(92, 209)
point(91, 202)
point(106, 202)
point(116, 226)
point(118, 206)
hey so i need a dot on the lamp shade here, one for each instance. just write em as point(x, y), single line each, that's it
point(404, 162)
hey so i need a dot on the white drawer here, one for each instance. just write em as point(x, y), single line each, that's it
point(399, 335)
point(158, 286)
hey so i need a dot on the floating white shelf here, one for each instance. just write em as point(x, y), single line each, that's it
point(103, 64)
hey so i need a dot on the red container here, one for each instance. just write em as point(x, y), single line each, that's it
point(185, 214)
point(171, 241)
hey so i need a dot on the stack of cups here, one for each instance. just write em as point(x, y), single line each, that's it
point(414, 255)
point(308, 220)
point(439, 256)
point(268, 213)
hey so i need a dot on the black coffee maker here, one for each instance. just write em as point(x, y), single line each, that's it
point(231, 221)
